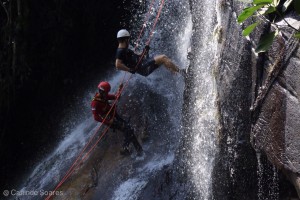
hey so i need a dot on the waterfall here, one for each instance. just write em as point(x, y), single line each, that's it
point(268, 180)
point(201, 111)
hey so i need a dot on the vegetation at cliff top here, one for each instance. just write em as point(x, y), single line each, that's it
point(260, 10)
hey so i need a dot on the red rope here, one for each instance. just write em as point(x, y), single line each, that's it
point(150, 37)
point(144, 25)
point(156, 20)
point(139, 37)
point(75, 164)
point(83, 159)
point(151, 33)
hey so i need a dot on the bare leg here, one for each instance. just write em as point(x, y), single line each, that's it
point(164, 60)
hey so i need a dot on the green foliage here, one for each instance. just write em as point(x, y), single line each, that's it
point(262, 2)
point(249, 29)
point(248, 12)
point(275, 3)
point(271, 9)
point(262, 8)
point(265, 42)
point(286, 5)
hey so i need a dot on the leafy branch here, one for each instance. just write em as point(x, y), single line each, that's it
point(263, 8)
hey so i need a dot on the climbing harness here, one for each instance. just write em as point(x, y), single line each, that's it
point(82, 157)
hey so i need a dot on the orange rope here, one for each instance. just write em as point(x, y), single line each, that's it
point(144, 25)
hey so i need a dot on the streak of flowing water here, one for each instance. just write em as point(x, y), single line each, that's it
point(268, 181)
point(202, 110)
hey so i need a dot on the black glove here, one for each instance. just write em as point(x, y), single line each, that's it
point(132, 70)
point(147, 47)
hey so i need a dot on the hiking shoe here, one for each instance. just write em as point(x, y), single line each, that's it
point(183, 72)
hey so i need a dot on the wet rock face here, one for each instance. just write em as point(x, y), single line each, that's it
point(277, 129)
point(291, 88)
point(234, 175)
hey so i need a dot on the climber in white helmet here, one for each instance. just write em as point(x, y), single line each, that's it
point(127, 60)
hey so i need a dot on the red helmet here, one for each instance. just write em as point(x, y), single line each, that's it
point(104, 86)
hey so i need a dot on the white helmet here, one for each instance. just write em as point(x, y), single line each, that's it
point(123, 33)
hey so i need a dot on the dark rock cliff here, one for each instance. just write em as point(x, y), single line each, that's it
point(50, 51)
point(258, 103)
point(276, 109)
point(259, 112)
point(234, 175)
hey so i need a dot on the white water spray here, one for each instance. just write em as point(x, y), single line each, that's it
point(202, 111)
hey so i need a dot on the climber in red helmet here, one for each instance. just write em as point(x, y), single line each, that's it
point(127, 60)
point(100, 108)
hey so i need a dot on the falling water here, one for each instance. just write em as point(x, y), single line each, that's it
point(201, 114)
point(268, 181)
point(260, 175)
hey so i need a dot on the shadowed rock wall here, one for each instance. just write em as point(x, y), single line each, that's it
point(276, 127)
point(258, 100)
point(234, 175)
point(50, 51)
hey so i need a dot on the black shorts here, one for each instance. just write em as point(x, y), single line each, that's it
point(147, 67)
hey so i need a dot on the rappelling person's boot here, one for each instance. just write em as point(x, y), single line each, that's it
point(183, 72)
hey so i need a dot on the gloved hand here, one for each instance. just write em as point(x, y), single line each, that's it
point(147, 47)
point(132, 70)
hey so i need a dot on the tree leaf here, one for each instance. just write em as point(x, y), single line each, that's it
point(286, 5)
point(297, 6)
point(265, 42)
point(249, 29)
point(267, 10)
point(262, 2)
point(245, 1)
point(297, 35)
point(270, 10)
point(248, 12)
point(275, 3)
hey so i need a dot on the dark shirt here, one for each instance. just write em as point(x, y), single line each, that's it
point(128, 57)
